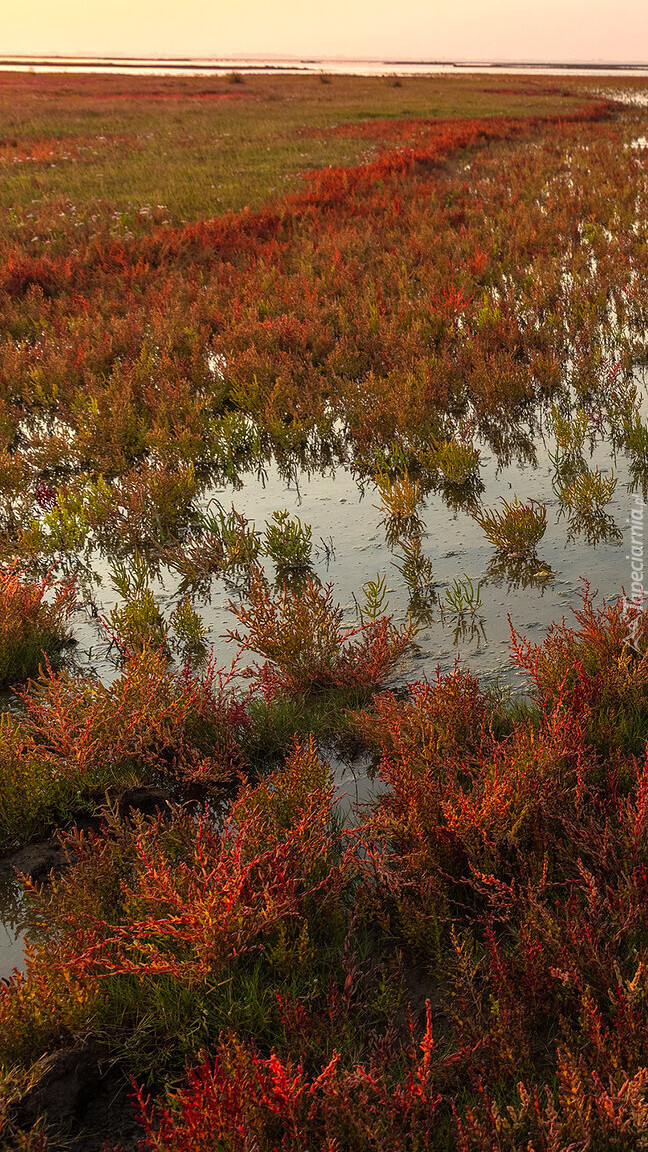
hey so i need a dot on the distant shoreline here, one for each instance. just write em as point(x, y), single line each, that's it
point(305, 65)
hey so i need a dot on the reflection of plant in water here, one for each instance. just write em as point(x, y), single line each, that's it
point(226, 543)
point(515, 531)
point(399, 498)
point(622, 406)
point(639, 480)
point(418, 573)
point(240, 542)
point(462, 498)
point(137, 623)
point(519, 572)
point(416, 568)
point(420, 608)
point(288, 542)
point(583, 490)
point(469, 630)
point(510, 440)
point(595, 526)
point(327, 550)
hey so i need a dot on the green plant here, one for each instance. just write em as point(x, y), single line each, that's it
point(517, 529)
point(33, 793)
point(240, 541)
point(288, 542)
point(457, 461)
point(375, 602)
point(635, 438)
point(463, 597)
point(189, 629)
point(570, 433)
point(137, 623)
point(586, 491)
point(400, 497)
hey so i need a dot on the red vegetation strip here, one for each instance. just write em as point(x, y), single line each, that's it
point(235, 234)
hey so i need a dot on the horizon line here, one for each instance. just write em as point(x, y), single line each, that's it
point(91, 57)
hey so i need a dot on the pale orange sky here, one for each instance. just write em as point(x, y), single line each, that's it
point(614, 30)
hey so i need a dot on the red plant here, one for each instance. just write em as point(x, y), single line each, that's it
point(599, 669)
point(242, 1101)
point(195, 898)
point(307, 649)
point(149, 719)
point(33, 622)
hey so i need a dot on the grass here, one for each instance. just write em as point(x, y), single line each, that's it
point(240, 144)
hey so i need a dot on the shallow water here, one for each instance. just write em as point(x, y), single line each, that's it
point(12, 925)
point(350, 548)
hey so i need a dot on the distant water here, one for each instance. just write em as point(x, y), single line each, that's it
point(195, 66)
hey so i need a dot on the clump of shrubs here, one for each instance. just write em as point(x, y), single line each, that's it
point(307, 649)
point(33, 623)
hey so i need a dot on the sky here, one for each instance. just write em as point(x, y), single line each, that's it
point(553, 30)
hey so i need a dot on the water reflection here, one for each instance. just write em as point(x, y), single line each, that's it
point(592, 525)
point(343, 513)
point(519, 573)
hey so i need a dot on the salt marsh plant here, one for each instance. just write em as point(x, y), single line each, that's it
point(450, 866)
point(586, 491)
point(458, 462)
point(137, 622)
point(635, 439)
point(34, 625)
point(189, 630)
point(288, 543)
point(375, 602)
point(425, 274)
point(301, 635)
point(570, 432)
point(517, 529)
point(463, 597)
point(400, 497)
point(77, 736)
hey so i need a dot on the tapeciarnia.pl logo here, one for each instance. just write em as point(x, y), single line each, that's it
point(632, 606)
